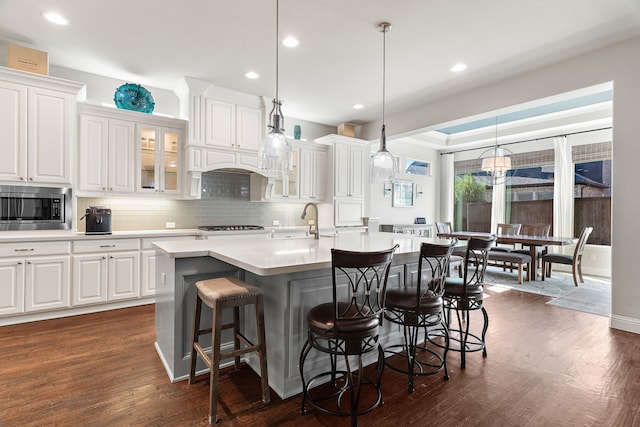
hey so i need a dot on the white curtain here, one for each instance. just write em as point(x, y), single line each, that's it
point(562, 188)
point(498, 203)
point(447, 188)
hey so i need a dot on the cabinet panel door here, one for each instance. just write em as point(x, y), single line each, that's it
point(49, 137)
point(169, 152)
point(89, 279)
point(11, 286)
point(319, 173)
point(13, 132)
point(250, 126)
point(93, 149)
point(342, 170)
point(122, 150)
point(357, 168)
point(220, 123)
point(148, 284)
point(124, 275)
point(47, 283)
point(348, 212)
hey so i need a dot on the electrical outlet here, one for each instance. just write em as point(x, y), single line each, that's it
point(275, 222)
point(170, 225)
point(311, 222)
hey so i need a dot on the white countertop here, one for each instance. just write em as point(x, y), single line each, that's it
point(265, 256)
point(52, 235)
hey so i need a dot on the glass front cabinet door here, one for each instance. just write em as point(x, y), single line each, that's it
point(159, 159)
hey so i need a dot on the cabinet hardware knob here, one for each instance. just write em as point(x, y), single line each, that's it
point(24, 250)
point(107, 246)
point(30, 178)
point(22, 178)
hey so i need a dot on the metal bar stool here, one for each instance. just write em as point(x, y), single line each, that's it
point(221, 293)
point(348, 326)
point(420, 306)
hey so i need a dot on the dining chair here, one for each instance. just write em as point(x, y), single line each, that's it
point(419, 307)
point(458, 252)
point(575, 260)
point(464, 295)
point(535, 230)
point(348, 326)
point(506, 229)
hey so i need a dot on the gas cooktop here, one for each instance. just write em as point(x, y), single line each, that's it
point(230, 227)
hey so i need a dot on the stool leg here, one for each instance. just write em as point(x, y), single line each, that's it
point(236, 332)
point(195, 337)
point(266, 398)
point(214, 372)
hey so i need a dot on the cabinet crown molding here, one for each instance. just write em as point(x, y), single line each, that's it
point(48, 82)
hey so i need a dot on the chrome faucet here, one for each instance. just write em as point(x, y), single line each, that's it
point(312, 230)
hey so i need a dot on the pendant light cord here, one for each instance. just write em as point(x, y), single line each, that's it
point(385, 26)
point(277, 43)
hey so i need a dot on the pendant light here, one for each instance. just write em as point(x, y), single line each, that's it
point(495, 162)
point(383, 164)
point(275, 156)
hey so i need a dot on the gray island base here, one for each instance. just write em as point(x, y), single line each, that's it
point(295, 275)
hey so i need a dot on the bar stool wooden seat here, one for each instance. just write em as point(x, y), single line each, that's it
point(221, 293)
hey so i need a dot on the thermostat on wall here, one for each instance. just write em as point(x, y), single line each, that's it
point(421, 220)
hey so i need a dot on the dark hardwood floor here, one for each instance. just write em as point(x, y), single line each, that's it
point(546, 366)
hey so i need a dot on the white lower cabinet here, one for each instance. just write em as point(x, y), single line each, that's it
point(34, 277)
point(11, 286)
point(43, 280)
point(148, 278)
point(47, 283)
point(34, 284)
point(105, 270)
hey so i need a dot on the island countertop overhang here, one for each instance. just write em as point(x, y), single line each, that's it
point(265, 257)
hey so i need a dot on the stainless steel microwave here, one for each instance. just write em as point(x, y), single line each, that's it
point(35, 208)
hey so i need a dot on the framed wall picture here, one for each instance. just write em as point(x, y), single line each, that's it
point(402, 194)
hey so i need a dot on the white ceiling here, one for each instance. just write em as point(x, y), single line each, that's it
point(339, 60)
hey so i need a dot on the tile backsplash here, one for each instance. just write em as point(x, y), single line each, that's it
point(225, 201)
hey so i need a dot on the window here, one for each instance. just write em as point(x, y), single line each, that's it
point(592, 191)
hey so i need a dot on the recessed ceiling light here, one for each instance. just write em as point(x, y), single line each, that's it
point(358, 107)
point(290, 42)
point(55, 18)
point(251, 75)
point(459, 67)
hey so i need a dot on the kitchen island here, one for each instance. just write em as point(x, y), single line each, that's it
point(295, 275)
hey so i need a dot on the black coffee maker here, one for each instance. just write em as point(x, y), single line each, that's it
point(97, 220)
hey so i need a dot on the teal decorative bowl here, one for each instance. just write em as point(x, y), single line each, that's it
point(134, 97)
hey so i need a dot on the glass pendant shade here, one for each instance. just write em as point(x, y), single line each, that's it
point(383, 163)
point(275, 156)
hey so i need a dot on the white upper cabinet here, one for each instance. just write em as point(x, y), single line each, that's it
point(37, 127)
point(128, 153)
point(313, 170)
point(349, 169)
point(159, 161)
point(234, 126)
point(106, 155)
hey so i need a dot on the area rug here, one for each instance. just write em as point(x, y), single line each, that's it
point(593, 296)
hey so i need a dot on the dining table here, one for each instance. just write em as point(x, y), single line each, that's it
point(531, 241)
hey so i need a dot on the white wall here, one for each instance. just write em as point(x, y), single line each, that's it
point(619, 63)
point(381, 207)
